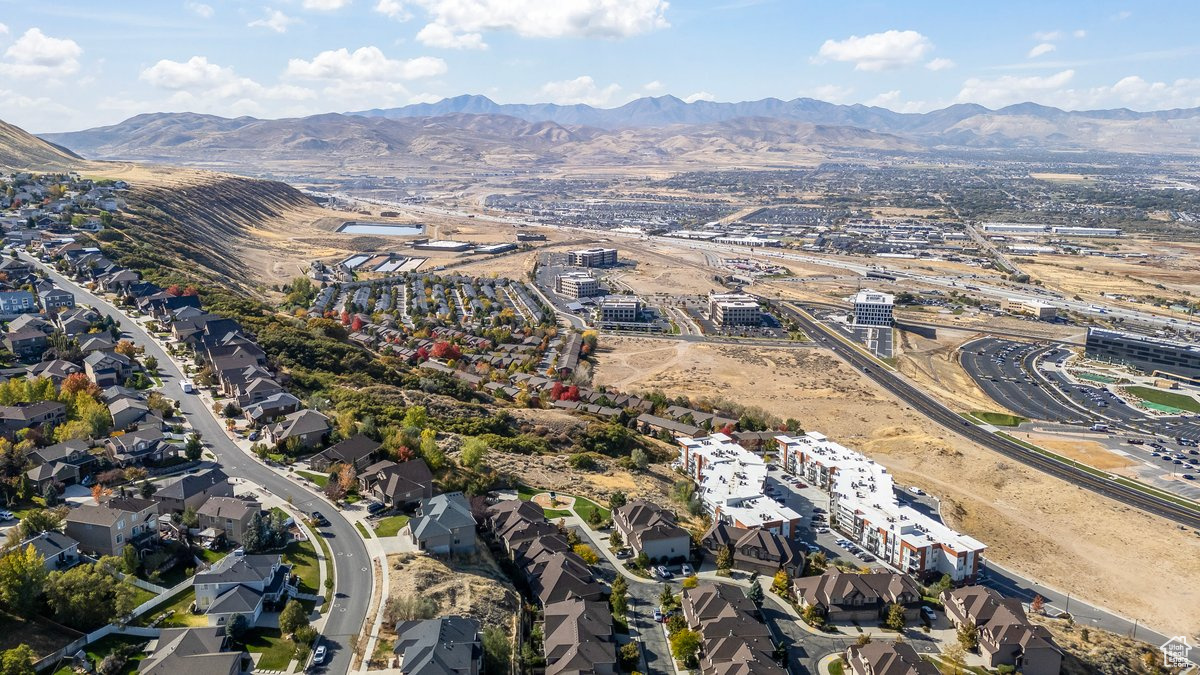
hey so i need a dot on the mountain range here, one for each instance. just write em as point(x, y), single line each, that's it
point(476, 131)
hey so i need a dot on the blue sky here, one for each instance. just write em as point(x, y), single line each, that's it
point(69, 64)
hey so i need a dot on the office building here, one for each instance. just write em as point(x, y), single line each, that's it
point(872, 308)
point(734, 309)
point(618, 309)
point(593, 257)
point(1154, 356)
point(1034, 308)
point(576, 285)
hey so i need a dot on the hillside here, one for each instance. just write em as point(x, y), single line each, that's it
point(21, 150)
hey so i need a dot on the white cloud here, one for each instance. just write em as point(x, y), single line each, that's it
point(887, 99)
point(200, 85)
point(274, 20)
point(1009, 89)
point(1039, 50)
point(939, 64)
point(878, 51)
point(437, 35)
point(3, 29)
point(393, 9)
point(365, 64)
point(833, 93)
point(550, 19)
point(1047, 35)
point(200, 9)
point(325, 5)
point(36, 54)
point(699, 96)
point(1135, 92)
point(652, 87)
point(1122, 15)
point(582, 89)
point(1079, 33)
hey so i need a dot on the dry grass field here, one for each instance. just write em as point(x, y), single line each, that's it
point(1061, 535)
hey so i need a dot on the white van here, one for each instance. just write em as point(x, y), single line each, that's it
point(187, 386)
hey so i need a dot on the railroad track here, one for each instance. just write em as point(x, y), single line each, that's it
point(928, 406)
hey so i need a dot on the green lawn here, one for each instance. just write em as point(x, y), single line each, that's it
point(276, 651)
point(302, 556)
point(390, 526)
point(362, 529)
point(109, 644)
point(555, 514)
point(525, 493)
point(998, 419)
point(1178, 401)
point(584, 508)
point(329, 574)
point(182, 618)
point(837, 667)
point(319, 478)
point(211, 557)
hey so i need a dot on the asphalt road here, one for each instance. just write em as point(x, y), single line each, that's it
point(998, 367)
point(352, 564)
point(934, 410)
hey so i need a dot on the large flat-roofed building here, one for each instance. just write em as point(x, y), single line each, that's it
point(593, 257)
point(872, 308)
point(1155, 356)
point(734, 309)
point(730, 481)
point(1013, 228)
point(576, 285)
point(1034, 308)
point(618, 309)
point(863, 506)
point(1071, 231)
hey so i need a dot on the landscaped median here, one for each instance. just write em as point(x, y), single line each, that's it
point(995, 419)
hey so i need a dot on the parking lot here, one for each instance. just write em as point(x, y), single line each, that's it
point(1006, 371)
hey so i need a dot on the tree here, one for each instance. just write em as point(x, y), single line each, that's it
point(895, 617)
point(615, 540)
point(416, 416)
point(619, 585)
point(725, 559)
point(190, 517)
point(782, 583)
point(756, 593)
point(812, 616)
point(38, 521)
point(639, 459)
point(236, 627)
point(50, 494)
point(684, 646)
point(586, 554)
point(616, 500)
point(629, 655)
point(474, 451)
point(151, 364)
point(347, 477)
point(253, 538)
point(129, 559)
point(18, 661)
point(22, 579)
point(666, 599)
point(690, 582)
point(90, 595)
point(497, 651)
point(193, 447)
point(126, 348)
point(956, 656)
point(292, 617)
point(1037, 604)
point(147, 489)
point(968, 636)
point(433, 455)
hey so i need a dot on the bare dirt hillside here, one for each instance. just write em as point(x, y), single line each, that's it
point(20, 150)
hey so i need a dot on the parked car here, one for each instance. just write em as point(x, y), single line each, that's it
point(375, 507)
point(664, 572)
point(916, 490)
point(7, 515)
point(928, 615)
point(658, 616)
point(624, 553)
point(319, 655)
point(686, 570)
point(319, 518)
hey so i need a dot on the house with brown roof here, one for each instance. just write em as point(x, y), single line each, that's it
point(1006, 637)
point(648, 528)
point(755, 549)
point(734, 637)
point(226, 516)
point(105, 529)
point(356, 451)
point(395, 484)
point(842, 597)
point(307, 427)
point(887, 658)
point(578, 637)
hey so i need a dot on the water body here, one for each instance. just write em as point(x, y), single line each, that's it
point(387, 229)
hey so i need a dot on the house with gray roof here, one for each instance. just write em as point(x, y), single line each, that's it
point(843, 597)
point(192, 490)
point(276, 405)
point(450, 645)
point(227, 517)
point(443, 524)
point(59, 551)
point(308, 427)
point(241, 584)
point(127, 412)
point(755, 549)
point(578, 637)
point(193, 651)
point(105, 529)
point(397, 484)
point(648, 528)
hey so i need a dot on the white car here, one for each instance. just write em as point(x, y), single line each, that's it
point(319, 655)
point(686, 570)
point(916, 490)
point(7, 515)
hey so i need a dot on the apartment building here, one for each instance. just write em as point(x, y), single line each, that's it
point(729, 482)
point(593, 257)
point(576, 285)
point(872, 308)
point(863, 506)
point(734, 309)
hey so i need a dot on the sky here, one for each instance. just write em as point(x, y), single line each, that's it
point(70, 64)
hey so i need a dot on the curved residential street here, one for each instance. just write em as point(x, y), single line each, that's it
point(352, 564)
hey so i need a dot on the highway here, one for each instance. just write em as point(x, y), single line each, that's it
point(934, 410)
point(352, 564)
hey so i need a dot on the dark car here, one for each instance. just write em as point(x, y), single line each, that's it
point(319, 518)
point(375, 507)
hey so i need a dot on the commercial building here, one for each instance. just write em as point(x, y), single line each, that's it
point(576, 285)
point(729, 482)
point(872, 308)
point(492, 249)
point(750, 240)
point(1154, 356)
point(734, 309)
point(443, 245)
point(593, 257)
point(1012, 228)
point(1034, 308)
point(863, 506)
point(618, 309)
point(1068, 231)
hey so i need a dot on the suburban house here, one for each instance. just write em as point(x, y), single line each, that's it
point(755, 550)
point(54, 298)
point(843, 597)
point(16, 302)
point(395, 484)
point(57, 550)
point(54, 472)
point(105, 529)
point(193, 651)
point(650, 529)
point(443, 524)
point(55, 369)
point(447, 646)
point(192, 491)
point(1006, 637)
point(59, 463)
point(733, 636)
point(13, 418)
point(308, 427)
point(355, 451)
point(226, 516)
point(578, 637)
point(26, 343)
point(887, 658)
point(138, 446)
point(241, 584)
point(276, 405)
point(107, 369)
point(127, 412)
